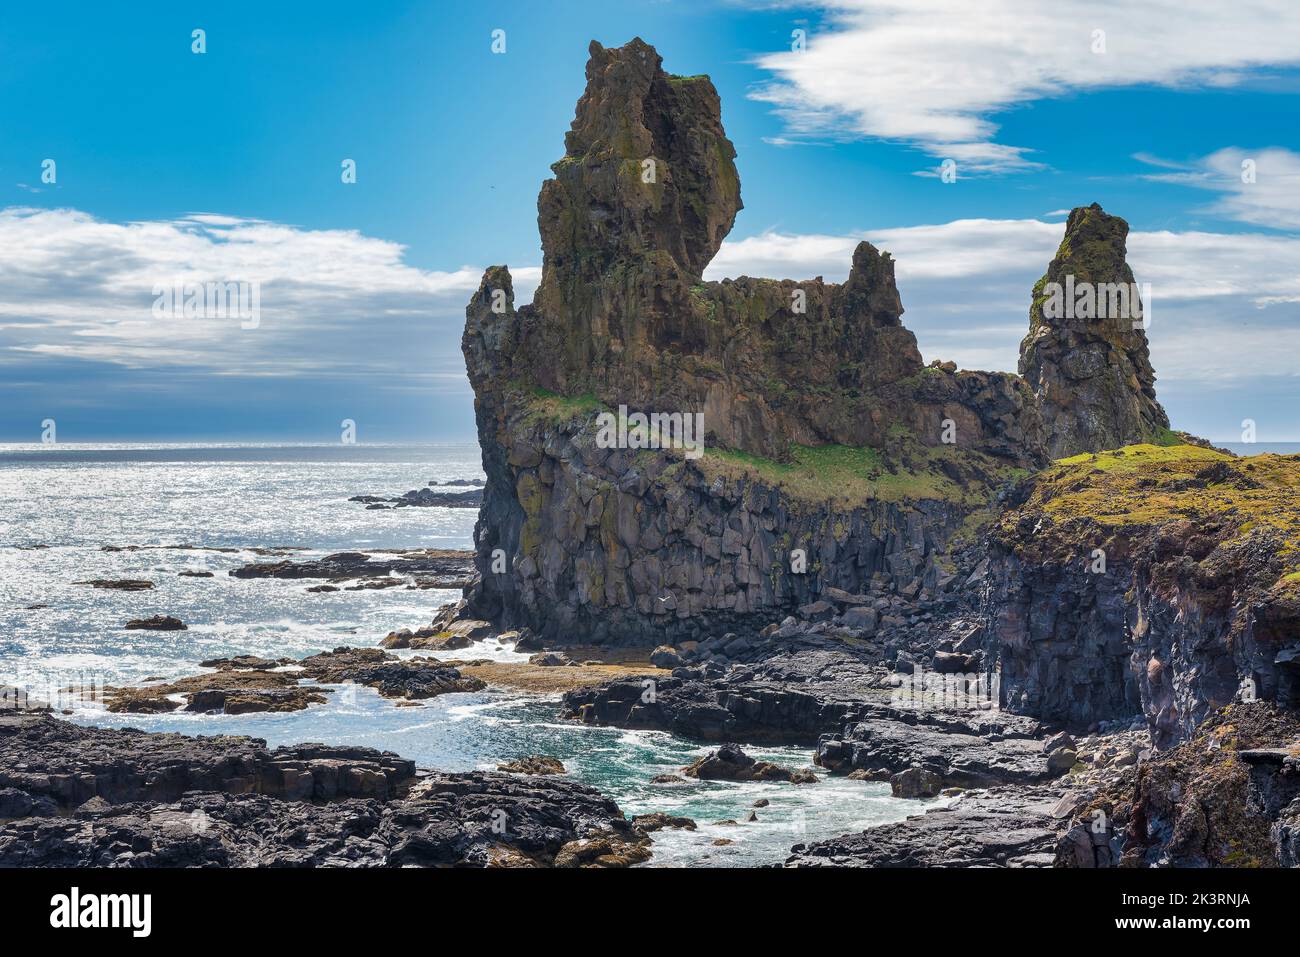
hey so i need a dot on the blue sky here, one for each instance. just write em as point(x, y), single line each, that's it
point(227, 164)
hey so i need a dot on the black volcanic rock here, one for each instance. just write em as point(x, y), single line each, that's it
point(88, 797)
point(1002, 827)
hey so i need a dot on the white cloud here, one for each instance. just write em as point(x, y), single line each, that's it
point(932, 73)
point(332, 301)
point(1260, 187)
point(1225, 307)
point(338, 304)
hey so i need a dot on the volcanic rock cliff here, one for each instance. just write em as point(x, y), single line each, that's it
point(1160, 580)
point(830, 454)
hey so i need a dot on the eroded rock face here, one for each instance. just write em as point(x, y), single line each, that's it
point(1086, 354)
point(1152, 581)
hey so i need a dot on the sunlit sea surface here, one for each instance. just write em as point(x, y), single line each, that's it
point(60, 505)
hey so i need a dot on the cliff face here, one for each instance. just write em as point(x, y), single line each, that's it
point(1086, 355)
point(1155, 580)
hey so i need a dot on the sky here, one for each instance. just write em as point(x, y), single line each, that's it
point(130, 164)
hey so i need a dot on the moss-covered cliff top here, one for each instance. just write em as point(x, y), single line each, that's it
point(848, 476)
point(1215, 495)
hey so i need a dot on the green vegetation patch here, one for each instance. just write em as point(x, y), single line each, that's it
point(1148, 485)
point(555, 409)
point(848, 475)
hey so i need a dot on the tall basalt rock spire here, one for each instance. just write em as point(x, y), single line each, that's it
point(640, 203)
point(1086, 355)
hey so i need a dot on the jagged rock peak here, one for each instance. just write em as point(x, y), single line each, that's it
point(1086, 355)
point(648, 170)
point(870, 290)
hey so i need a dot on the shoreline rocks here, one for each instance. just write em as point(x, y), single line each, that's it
point(421, 568)
point(90, 797)
point(730, 763)
point(246, 684)
point(423, 498)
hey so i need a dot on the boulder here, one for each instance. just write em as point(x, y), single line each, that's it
point(533, 765)
point(915, 783)
point(665, 656)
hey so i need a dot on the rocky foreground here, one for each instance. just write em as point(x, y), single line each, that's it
point(89, 797)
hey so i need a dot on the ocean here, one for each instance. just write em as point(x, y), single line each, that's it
point(169, 507)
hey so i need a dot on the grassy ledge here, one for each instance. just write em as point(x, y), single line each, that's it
point(1143, 486)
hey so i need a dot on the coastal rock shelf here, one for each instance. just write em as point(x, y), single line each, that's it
point(84, 797)
point(247, 684)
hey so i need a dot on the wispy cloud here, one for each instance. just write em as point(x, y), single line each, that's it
point(76, 292)
point(1260, 187)
point(933, 73)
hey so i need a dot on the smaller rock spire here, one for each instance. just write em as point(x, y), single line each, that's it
point(1086, 355)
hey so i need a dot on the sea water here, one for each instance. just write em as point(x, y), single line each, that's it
point(60, 507)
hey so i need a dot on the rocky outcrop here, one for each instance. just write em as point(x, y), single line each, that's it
point(730, 763)
point(246, 684)
point(1086, 355)
point(820, 430)
point(66, 765)
point(956, 753)
point(1148, 580)
point(1226, 797)
point(393, 677)
point(434, 567)
point(118, 584)
point(533, 765)
point(156, 623)
point(424, 498)
point(792, 699)
point(86, 797)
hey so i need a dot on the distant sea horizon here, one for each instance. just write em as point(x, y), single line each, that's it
point(289, 451)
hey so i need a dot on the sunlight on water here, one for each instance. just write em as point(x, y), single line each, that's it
point(76, 500)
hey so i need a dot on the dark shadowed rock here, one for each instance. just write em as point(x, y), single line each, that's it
point(730, 763)
point(156, 623)
point(166, 800)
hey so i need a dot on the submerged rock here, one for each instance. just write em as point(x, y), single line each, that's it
point(156, 623)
